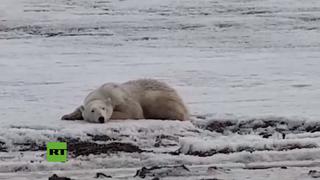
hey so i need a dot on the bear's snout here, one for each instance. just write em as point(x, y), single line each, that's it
point(101, 119)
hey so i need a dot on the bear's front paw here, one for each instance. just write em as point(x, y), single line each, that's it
point(66, 117)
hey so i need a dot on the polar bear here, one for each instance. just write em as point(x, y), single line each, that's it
point(137, 99)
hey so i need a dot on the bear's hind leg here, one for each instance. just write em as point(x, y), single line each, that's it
point(129, 110)
point(166, 109)
point(75, 115)
point(174, 111)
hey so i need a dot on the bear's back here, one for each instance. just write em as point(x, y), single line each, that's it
point(148, 85)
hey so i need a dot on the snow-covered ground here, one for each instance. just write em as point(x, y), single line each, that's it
point(249, 69)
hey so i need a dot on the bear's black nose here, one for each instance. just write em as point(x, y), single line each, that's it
point(101, 119)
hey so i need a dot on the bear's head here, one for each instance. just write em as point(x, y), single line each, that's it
point(97, 111)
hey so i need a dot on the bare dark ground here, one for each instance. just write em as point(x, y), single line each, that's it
point(77, 148)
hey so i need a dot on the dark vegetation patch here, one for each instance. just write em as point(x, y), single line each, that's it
point(143, 39)
point(224, 25)
point(101, 137)
point(166, 141)
point(35, 30)
point(265, 134)
point(211, 152)
point(36, 10)
point(21, 168)
point(313, 128)
point(219, 126)
point(76, 147)
point(310, 19)
point(251, 149)
point(86, 148)
point(295, 146)
point(254, 12)
point(264, 127)
point(190, 27)
point(98, 175)
point(30, 146)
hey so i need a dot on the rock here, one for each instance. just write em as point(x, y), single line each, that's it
point(99, 175)
point(314, 173)
point(162, 171)
point(56, 177)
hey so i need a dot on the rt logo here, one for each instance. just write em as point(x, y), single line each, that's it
point(57, 152)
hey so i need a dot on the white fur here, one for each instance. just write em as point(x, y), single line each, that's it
point(139, 99)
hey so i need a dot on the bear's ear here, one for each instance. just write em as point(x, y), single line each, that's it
point(108, 100)
point(81, 108)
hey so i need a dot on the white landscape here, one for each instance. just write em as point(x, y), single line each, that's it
point(248, 71)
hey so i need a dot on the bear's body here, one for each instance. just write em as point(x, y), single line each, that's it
point(138, 99)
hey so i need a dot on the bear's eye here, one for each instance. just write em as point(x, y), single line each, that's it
point(92, 110)
point(103, 108)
